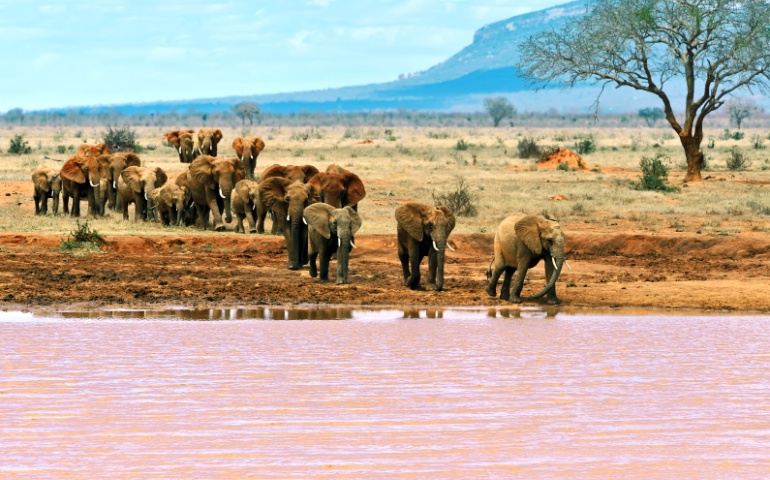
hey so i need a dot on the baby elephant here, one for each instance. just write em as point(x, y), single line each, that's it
point(245, 201)
point(330, 230)
point(47, 183)
point(521, 242)
point(171, 201)
point(423, 230)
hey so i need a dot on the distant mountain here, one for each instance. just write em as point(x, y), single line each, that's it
point(483, 68)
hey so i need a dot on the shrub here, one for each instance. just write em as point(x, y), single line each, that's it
point(585, 145)
point(728, 135)
point(19, 146)
point(563, 166)
point(461, 201)
point(83, 237)
point(758, 142)
point(654, 174)
point(528, 148)
point(389, 135)
point(737, 161)
point(120, 139)
point(438, 135)
point(462, 145)
point(61, 149)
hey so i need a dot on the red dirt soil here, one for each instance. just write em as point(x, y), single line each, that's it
point(562, 155)
point(608, 270)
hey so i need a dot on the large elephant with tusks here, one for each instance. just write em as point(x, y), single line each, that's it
point(423, 231)
point(211, 181)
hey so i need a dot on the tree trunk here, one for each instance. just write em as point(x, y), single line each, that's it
point(694, 157)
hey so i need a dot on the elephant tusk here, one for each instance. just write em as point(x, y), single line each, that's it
point(180, 150)
point(339, 242)
point(553, 260)
point(51, 195)
point(435, 247)
point(450, 247)
point(352, 244)
point(114, 184)
point(94, 185)
point(568, 265)
point(288, 218)
point(220, 193)
point(304, 221)
point(145, 196)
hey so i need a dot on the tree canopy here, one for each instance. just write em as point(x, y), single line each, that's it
point(246, 110)
point(499, 108)
point(706, 49)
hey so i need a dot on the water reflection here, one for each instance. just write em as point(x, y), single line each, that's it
point(311, 313)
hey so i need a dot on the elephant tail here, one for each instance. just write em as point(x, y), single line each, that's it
point(489, 270)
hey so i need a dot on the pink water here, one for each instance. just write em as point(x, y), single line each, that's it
point(383, 394)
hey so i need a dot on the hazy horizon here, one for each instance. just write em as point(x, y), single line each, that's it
point(96, 53)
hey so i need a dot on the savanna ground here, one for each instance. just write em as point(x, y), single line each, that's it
point(704, 247)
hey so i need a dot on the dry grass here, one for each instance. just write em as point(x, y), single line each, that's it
point(410, 163)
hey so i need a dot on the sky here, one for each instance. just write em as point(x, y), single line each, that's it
point(83, 53)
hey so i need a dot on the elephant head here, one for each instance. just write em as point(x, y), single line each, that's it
point(542, 236)
point(339, 189)
point(92, 150)
point(287, 200)
point(88, 174)
point(183, 142)
point(248, 149)
point(142, 181)
point(47, 184)
point(338, 226)
point(211, 181)
point(171, 201)
point(431, 225)
point(303, 173)
point(208, 138)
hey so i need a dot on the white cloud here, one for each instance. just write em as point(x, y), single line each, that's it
point(52, 9)
point(319, 3)
point(298, 41)
point(165, 54)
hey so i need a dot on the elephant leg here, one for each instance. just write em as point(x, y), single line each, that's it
point(414, 262)
point(492, 283)
point(505, 289)
point(312, 269)
point(37, 204)
point(261, 214)
point(66, 202)
point(200, 217)
point(214, 208)
point(239, 224)
point(551, 298)
point(518, 282)
point(403, 255)
point(323, 274)
point(276, 229)
point(250, 219)
point(76, 204)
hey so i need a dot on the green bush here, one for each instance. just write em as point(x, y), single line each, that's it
point(654, 174)
point(737, 161)
point(61, 149)
point(120, 139)
point(585, 145)
point(19, 146)
point(83, 237)
point(528, 148)
point(461, 201)
point(462, 145)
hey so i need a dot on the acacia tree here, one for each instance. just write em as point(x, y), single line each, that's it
point(741, 108)
point(246, 110)
point(499, 108)
point(651, 115)
point(714, 46)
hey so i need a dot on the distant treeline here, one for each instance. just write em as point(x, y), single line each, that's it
point(386, 118)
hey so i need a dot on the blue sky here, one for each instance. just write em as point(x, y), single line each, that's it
point(60, 54)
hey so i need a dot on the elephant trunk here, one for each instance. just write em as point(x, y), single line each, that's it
point(440, 268)
point(55, 196)
point(295, 243)
point(343, 256)
point(559, 262)
point(228, 207)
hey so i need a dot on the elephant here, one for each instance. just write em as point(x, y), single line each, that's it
point(170, 203)
point(183, 142)
point(301, 173)
point(47, 183)
point(339, 187)
point(331, 230)
point(190, 212)
point(211, 181)
point(245, 200)
point(287, 200)
point(423, 230)
point(208, 138)
point(117, 163)
point(98, 150)
point(521, 242)
point(84, 177)
point(248, 149)
point(135, 185)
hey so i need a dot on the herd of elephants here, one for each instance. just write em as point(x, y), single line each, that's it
point(317, 212)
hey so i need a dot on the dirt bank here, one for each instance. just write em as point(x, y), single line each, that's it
point(608, 270)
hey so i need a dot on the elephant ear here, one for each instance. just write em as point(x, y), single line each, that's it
point(317, 217)
point(309, 171)
point(132, 176)
point(273, 191)
point(528, 230)
point(239, 169)
point(160, 177)
point(155, 195)
point(316, 180)
point(173, 138)
point(411, 216)
point(238, 146)
point(41, 180)
point(313, 193)
point(334, 168)
point(450, 217)
point(259, 145)
point(133, 160)
point(355, 220)
point(71, 171)
point(354, 188)
point(102, 149)
point(181, 180)
point(217, 135)
point(202, 170)
point(274, 170)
